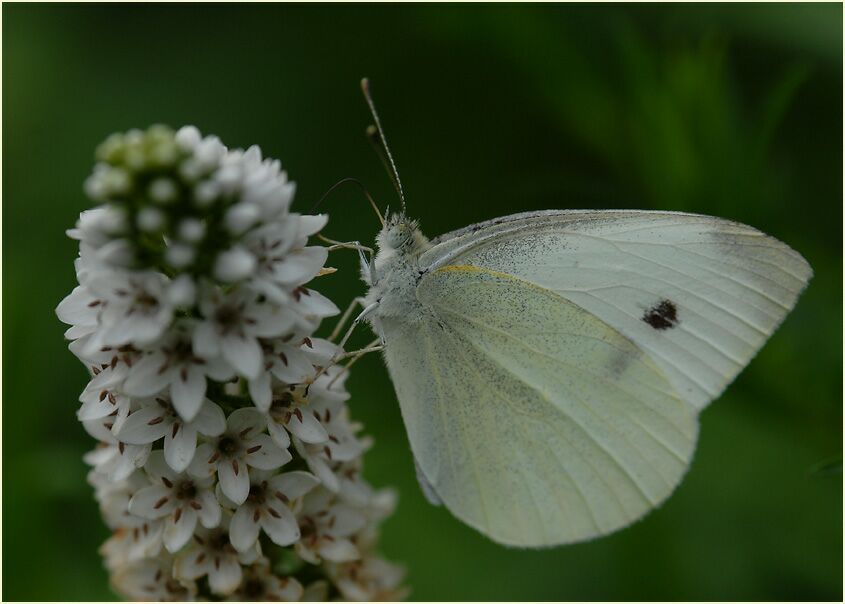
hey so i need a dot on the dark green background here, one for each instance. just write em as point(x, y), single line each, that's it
point(731, 110)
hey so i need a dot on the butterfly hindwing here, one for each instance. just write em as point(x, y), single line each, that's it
point(534, 421)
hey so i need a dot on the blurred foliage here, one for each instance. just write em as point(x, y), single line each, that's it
point(731, 110)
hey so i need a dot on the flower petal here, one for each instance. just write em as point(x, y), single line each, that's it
point(278, 434)
point(210, 421)
point(294, 484)
point(95, 407)
point(191, 564)
point(310, 224)
point(187, 391)
point(347, 520)
point(153, 501)
point(244, 354)
point(260, 392)
point(205, 341)
point(243, 530)
point(156, 467)
point(145, 377)
point(144, 426)
point(179, 449)
point(268, 456)
point(290, 590)
point(248, 421)
point(77, 309)
point(224, 578)
point(280, 524)
point(235, 485)
point(218, 369)
point(178, 528)
point(300, 266)
point(339, 550)
point(317, 304)
point(200, 465)
point(307, 429)
point(209, 512)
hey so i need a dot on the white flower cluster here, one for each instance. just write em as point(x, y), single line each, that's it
point(227, 465)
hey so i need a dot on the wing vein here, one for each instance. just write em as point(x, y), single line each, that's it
point(625, 471)
point(609, 382)
point(439, 381)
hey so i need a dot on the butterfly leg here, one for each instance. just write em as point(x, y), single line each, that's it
point(344, 318)
point(363, 315)
point(373, 346)
point(367, 265)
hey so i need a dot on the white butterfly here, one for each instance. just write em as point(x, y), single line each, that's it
point(551, 366)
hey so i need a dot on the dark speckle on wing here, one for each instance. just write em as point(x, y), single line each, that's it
point(663, 315)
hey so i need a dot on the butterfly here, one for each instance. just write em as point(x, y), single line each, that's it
point(551, 366)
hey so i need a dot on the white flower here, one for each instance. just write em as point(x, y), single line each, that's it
point(111, 457)
point(134, 307)
point(290, 412)
point(188, 137)
point(134, 537)
point(261, 183)
point(183, 499)
point(316, 591)
point(163, 190)
point(99, 225)
point(210, 553)
point(311, 307)
point(259, 584)
point(282, 261)
point(341, 446)
point(327, 526)
point(371, 579)
point(159, 419)
point(172, 365)
point(182, 291)
point(268, 508)
point(151, 579)
point(79, 310)
point(132, 543)
point(234, 322)
point(194, 269)
point(354, 490)
point(234, 264)
point(241, 445)
point(102, 398)
point(241, 217)
point(151, 219)
point(287, 361)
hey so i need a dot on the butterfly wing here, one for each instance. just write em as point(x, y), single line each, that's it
point(698, 295)
point(534, 421)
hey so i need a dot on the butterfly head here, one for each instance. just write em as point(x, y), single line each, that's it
point(402, 236)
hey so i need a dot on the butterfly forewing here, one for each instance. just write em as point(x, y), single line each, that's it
point(698, 295)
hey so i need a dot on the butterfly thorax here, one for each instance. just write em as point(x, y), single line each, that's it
point(397, 271)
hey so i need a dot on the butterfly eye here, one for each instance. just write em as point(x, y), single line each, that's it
point(399, 235)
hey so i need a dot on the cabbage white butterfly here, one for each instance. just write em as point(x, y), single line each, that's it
point(550, 366)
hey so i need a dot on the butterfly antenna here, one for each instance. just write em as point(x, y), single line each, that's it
point(389, 164)
point(375, 141)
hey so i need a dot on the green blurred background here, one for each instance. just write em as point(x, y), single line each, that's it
point(731, 110)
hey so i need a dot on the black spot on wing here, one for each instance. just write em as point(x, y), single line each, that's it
point(663, 315)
